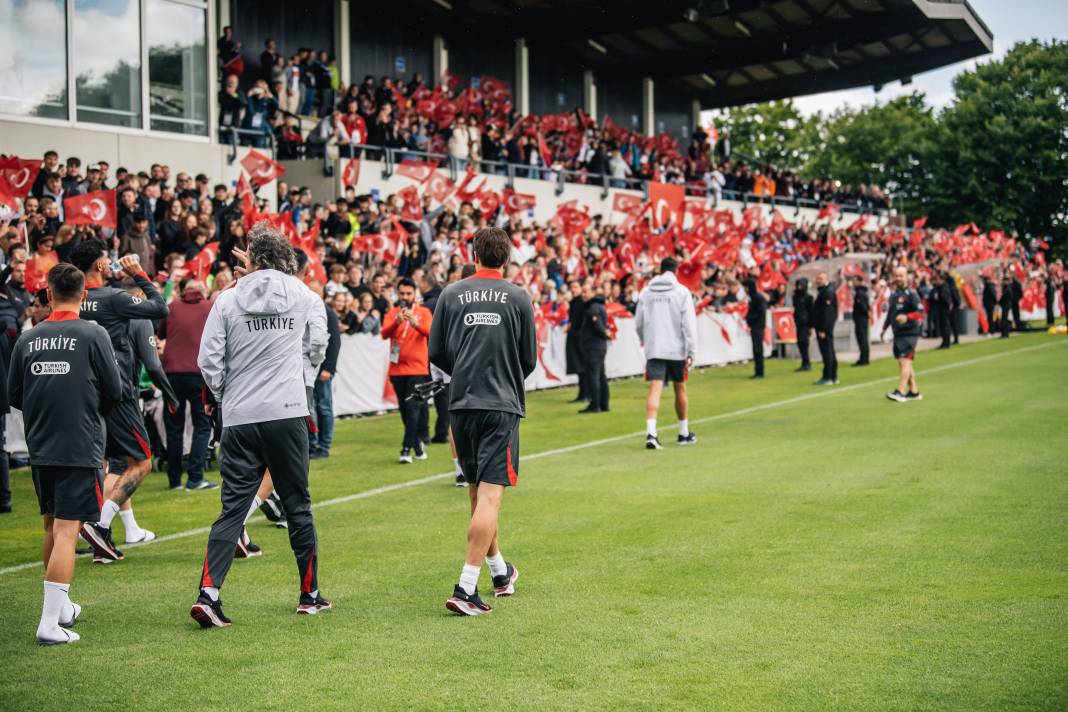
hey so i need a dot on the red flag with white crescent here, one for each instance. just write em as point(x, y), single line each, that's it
point(262, 169)
point(20, 174)
point(667, 200)
point(627, 203)
point(411, 209)
point(97, 208)
point(518, 202)
point(350, 175)
point(419, 171)
point(785, 327)
point(438, 186)
point(200, 266)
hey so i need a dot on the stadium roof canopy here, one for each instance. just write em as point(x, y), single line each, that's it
point(730, 52)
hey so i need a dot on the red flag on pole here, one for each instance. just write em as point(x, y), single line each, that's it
point(200, 266)
point(518, 202)
point(419, 171)
point(543, 149)
point(439, 187)
point(411, 209)
point(97, 208)
point(667, 201)
point(350, 175)
point(262, 169)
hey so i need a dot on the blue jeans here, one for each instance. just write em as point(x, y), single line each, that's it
point(324, 416)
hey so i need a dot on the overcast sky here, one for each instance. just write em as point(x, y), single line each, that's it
point(1009, 20)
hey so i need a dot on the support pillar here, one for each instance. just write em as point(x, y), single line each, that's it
point(439, 58)
point(648, 113)
point(343, 40)
point(522, 77)
point(589, 94)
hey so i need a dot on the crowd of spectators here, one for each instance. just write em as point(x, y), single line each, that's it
point(477, 124)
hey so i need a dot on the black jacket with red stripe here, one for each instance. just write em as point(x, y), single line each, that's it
point(482, 335)
point(907, 302)
point(64, 378)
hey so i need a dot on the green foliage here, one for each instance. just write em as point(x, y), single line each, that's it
point(997, 155)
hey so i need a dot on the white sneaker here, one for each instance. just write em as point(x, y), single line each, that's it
point(653, 443)
point(75, 611)
point(146, 536)
point(56, 636)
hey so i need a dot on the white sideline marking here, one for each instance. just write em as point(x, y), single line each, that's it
point(386, 489)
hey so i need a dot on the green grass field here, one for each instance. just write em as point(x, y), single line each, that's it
point(818, 548)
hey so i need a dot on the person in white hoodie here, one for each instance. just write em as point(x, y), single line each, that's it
point(252, 359)
point(667, 326)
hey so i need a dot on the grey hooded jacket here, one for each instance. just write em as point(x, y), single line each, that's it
point(666, 319)
point(254, 344)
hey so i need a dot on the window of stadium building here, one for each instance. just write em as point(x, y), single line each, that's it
point(107, 61)
point(33, 58)
point(177, 67)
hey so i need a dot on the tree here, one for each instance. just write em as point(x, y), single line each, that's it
point(767, 133)
point(1004, 145)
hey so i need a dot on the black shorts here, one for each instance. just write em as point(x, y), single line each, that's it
point(666, 370)
point(71, 493)
point(487, 445)
point(905, 346)
point(127, 436)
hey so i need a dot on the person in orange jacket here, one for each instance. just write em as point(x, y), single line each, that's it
point(407, 326)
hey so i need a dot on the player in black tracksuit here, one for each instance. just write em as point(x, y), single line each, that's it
point(1006, 302)
point(861, 315)
point(905, 315)
point(756, 319)
point(803, 304)
point(824, 317)
point(954, 307)
point(593, 348)
point(483, 336)
point(940, 303)
point(990, 301)
point(63, 377)
point(113, 308)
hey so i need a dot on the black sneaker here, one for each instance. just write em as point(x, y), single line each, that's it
point(897, 395)
point(272, 508)
point(687, 439)
point(461, 481)
point(464, 604)
point(405, 457)
point(504, 585)
point(420, 451)
point(208, 613)
point(913, 396)
point(309, 605)
point(100, 539)
point(653, 443)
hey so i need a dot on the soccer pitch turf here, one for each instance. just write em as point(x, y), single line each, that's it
point(818, 548)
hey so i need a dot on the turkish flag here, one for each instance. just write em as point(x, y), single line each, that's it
point(689, 274)
point(419, 171)
point(350, 174)
point(627, 203)
point(97, 208)
point(262, 169)
point(488, 202)
point(411, 209)
point(316, 272)
point(667, 200)
point(785, 328)
point(200, 266)
point(543, 149)
point(829, 211)
point(7, 194)
point(20, 174)
point(439, 187)
point(518, 202)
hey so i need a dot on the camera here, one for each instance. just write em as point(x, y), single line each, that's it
point(403, 304)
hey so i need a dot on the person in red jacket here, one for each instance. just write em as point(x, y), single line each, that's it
point(407, 326)
point(181, 331)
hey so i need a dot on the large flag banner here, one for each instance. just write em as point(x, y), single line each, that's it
point(785, 328)
point(667, 200)
point(97, 208)
point(262, 169)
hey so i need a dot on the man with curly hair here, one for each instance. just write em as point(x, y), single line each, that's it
point(252, 358)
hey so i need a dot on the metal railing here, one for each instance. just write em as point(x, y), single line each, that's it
point(391, 156)
point(228, 135)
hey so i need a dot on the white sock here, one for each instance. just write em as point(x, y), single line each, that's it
point(211, 592)
point(456, 464)
point(496, 565)
point(650, 426)
point(684, 427)
point(244, 537)
point(55, 595)
point(129, 523)
point(107, 513)
point(469, 578)
point(256, 502)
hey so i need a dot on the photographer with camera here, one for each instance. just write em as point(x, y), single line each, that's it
point(407, 326)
